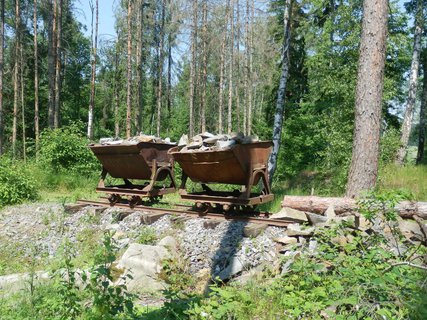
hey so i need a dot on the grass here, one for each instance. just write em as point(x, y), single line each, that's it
point(410, 177)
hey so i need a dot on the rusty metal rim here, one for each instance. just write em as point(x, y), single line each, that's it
point(191, 213)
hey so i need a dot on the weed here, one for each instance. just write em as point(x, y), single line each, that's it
point(147, 235)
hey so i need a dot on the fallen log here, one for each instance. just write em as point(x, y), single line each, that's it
point(406, 209)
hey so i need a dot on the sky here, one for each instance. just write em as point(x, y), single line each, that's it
point(106, 16)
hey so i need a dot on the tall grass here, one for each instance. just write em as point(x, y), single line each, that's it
point(410, 177)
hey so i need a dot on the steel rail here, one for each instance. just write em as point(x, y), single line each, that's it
point(192, 213)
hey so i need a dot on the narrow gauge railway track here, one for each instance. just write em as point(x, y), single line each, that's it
point(255, 217)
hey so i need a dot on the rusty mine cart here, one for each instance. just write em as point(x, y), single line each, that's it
point(142, 161)
point(243, 164)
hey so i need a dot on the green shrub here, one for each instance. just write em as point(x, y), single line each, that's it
point(66, 149)
point(389, 144)
point(147, 235)
point(355, 280)
point(16, 183)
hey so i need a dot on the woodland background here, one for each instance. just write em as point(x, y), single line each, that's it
point(177, 67)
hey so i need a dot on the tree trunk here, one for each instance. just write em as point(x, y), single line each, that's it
point(160, 74)
point(422, 126)
point(139, 65)
point(369, 90)
point(204, 66)
point(193, 67)
point(16, 77)
point(129, 70)
point(280, 105)
point(319, 205)
point(1, 74)
point(221, 75)
point(250, 84)
point(58, 65)
point(116, 91)
point(247, 112)
point(169, 76)
point(413, 81)
point(93, 73)
point(36, 81)
point(21, 85)
point(230, 71)
point(51, 61)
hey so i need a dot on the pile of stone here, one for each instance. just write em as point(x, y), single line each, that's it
point(209, 142)
point(135, 140)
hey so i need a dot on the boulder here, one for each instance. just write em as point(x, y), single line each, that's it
point(291, 214)
point(13, 283)
point(235, 266)
point(253, 230)
point(149, 218)
point(330, 212)
point(74, 207)
point(143, 263)
point(286, 240)
point(410, 229)
point(363, 224)
point(169, 242)
point(296, 230)
point(316, 219)
point(211, 223)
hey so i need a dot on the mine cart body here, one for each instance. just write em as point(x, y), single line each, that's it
point(242, 164)
point(147, 161)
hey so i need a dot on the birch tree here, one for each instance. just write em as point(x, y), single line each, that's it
point(94, 40)
point(58, 64)
point(36, 80)
point(280, 104)
point(230, 70)
point(129, 70)
point(160, 66)
point(193, 67)
point(369, 91)
point(413, 81)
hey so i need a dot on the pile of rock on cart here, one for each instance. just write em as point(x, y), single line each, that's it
point(233, 159)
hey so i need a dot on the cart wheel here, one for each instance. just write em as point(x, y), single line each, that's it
point(203, 207)
point(134, 200)
point(114, 198)
point(228, 208)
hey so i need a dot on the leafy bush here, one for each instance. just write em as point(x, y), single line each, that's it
point(66, 149)
point(16, 183)
point(73, 293)
point(147, 235)
point(389, 144)
point(353, 280)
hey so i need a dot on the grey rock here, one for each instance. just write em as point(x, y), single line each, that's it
point(225, 144)
point(296, 230)
point(13, 283)
point(74, 208)
point(183, 141)
point(316, 219)
point(253, 230)
point(330, 212)
point(236, 266)
point(169, 242)
point(291, 214)
point(286, 240)
point(410, 229)
point(143, 263)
